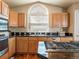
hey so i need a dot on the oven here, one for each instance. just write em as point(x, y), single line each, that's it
point(4, 36)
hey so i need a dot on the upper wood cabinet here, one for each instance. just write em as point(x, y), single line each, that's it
point(60, 20)
point(64, 20)
point(56, 20)
point(21, 19)
point(16, 19)
point(11, 46)
point(13, 19)
point(4, 9)
point(0, 6)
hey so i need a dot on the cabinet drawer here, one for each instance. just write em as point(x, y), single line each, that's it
point(66, 39)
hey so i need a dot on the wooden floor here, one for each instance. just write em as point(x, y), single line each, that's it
point(25, 56)
point(51, 56)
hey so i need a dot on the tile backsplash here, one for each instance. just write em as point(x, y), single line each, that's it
point(18, 29)
point(55, 29)
point(25, 30)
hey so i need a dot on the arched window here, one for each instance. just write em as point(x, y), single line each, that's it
point(38, 18)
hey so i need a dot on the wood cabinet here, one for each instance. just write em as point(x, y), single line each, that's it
point(64, 20)
point(56, 20)
point(21, 19)
point(33, 44)
point(13, 19)
point(60, 20)
point(4, 9)
point(16, 19)
point(5, 56)
point(22, 44)
point(26, 45)
point(11, 46)
point(66, 39)
point(0, 6)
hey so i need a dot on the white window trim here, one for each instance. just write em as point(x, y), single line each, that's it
point(28, 17)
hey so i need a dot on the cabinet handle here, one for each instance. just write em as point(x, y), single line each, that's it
point(53, 39)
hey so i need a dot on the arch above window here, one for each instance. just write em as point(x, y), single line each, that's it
point(38, 18)
point(38, 9)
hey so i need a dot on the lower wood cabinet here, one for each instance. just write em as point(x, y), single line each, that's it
point(22, 44)
point(11, 46)
point(26, 45)
point(33, 44)
point(5, 56)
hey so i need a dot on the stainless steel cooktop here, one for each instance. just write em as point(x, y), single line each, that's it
point(62, 46)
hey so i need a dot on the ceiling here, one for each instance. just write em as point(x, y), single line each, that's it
point(61, 3)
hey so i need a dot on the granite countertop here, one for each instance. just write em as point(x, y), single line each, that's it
point(39, 34)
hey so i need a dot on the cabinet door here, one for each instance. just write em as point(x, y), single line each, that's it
point(22, 44)
point(11, 46)
point(5, 56)
point(5, 9)
point(64, 20)
point(13, 20)
point(21, 19)
point(60, 20)
point(0, 6)
point(33, 45)
point(56, 20)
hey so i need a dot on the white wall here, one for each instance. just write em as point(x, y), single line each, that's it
point(51, 9)
point(74, 21)
point(71, 10)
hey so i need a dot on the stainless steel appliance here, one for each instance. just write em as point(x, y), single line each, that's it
point(62, 47)
point(4, 35)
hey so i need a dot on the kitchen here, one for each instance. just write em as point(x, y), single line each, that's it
point(39, 29)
